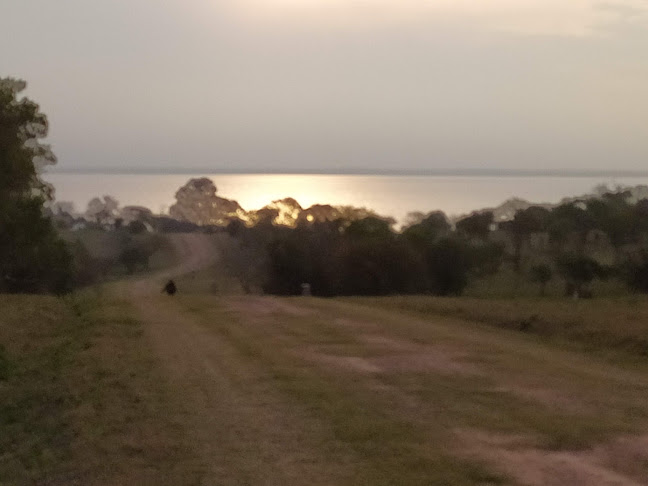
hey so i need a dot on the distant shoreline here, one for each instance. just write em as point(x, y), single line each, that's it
point(358, 172)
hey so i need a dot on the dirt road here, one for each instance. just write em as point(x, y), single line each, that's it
point(303, 391)
point(242, 430)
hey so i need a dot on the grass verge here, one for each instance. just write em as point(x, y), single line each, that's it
point(81, 403)
point(618, 325)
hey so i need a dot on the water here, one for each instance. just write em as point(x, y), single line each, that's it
point(388, 195)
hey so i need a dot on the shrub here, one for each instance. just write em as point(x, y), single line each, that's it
point(541, 274)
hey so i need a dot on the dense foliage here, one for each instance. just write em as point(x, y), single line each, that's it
point(363, 257)
point(579, 241)
point(32, 257)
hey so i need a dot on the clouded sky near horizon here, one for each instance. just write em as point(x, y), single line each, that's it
point(336, 84)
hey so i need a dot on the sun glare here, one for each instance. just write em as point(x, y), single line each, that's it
point(574, 17)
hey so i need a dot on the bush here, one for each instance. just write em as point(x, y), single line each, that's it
point(579, 271)
point(368, 258)
point(287, 268)
point(448, 266)
point(133, 257)
point(380, 267)
point(636, 274)
point(541, 274)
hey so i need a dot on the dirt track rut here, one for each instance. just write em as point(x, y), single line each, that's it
point(242, 431)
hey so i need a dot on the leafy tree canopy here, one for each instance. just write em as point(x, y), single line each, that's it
point(22, 125)
point(477, 225)
point(32, 257)
point(431, 228)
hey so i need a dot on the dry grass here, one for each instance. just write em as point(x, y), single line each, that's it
point(618, 325)
point(508, 284)
point(341, 390)
point(242, 427)
point(417, 398)
point(375, 391)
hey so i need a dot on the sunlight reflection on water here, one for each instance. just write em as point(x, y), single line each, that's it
point(388, 195)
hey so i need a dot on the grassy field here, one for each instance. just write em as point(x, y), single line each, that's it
point(418, 398)
point(617, 327)
point(507, 284)
point(131, 387)
point(82, 402)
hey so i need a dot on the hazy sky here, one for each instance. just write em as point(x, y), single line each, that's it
point(331, 84)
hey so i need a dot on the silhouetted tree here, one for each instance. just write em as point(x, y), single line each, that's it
point(102, 211)
point(448, 266)
point(165, 224)
point(541, 274)
point(638, 277)
point(32, 257)
point(570, 219)
point(133, 257)
point(380, 267)
point(477, 225)
point(526, 222)
point(197, 202)
point(635, 272)
point(136, 250)
point(370, 227)
point(485, 258)
point(613, 215)
point(578, 271)
point(430, 229)
point(288, 267)
point(640, 216)
point(136, 227)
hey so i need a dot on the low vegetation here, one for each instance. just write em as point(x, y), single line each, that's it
point(81, 403)
point(418, 398)
point(100, 255)
point(605, 325)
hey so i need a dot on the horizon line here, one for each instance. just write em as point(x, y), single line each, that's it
point(469, 172)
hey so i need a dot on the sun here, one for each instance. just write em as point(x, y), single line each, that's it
point(299, 4)
point(519, 17)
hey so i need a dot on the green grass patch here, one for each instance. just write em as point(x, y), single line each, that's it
point(80, 396)
point(615, 325)
point(508, 284)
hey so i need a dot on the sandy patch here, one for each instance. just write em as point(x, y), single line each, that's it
point(436, 361)
point(343, 363)
point(521, 459)
point(384, 343)
point(354, 324)
point(433, 360)
point(403, 356)
point(548, 397)
point(627, 454)
point(264, 306)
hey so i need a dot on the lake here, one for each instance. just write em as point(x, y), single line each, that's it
point(388, 195)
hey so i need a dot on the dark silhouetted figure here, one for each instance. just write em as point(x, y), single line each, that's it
point(170, 288)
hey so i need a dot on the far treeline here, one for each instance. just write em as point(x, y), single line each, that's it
point(598, 238)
